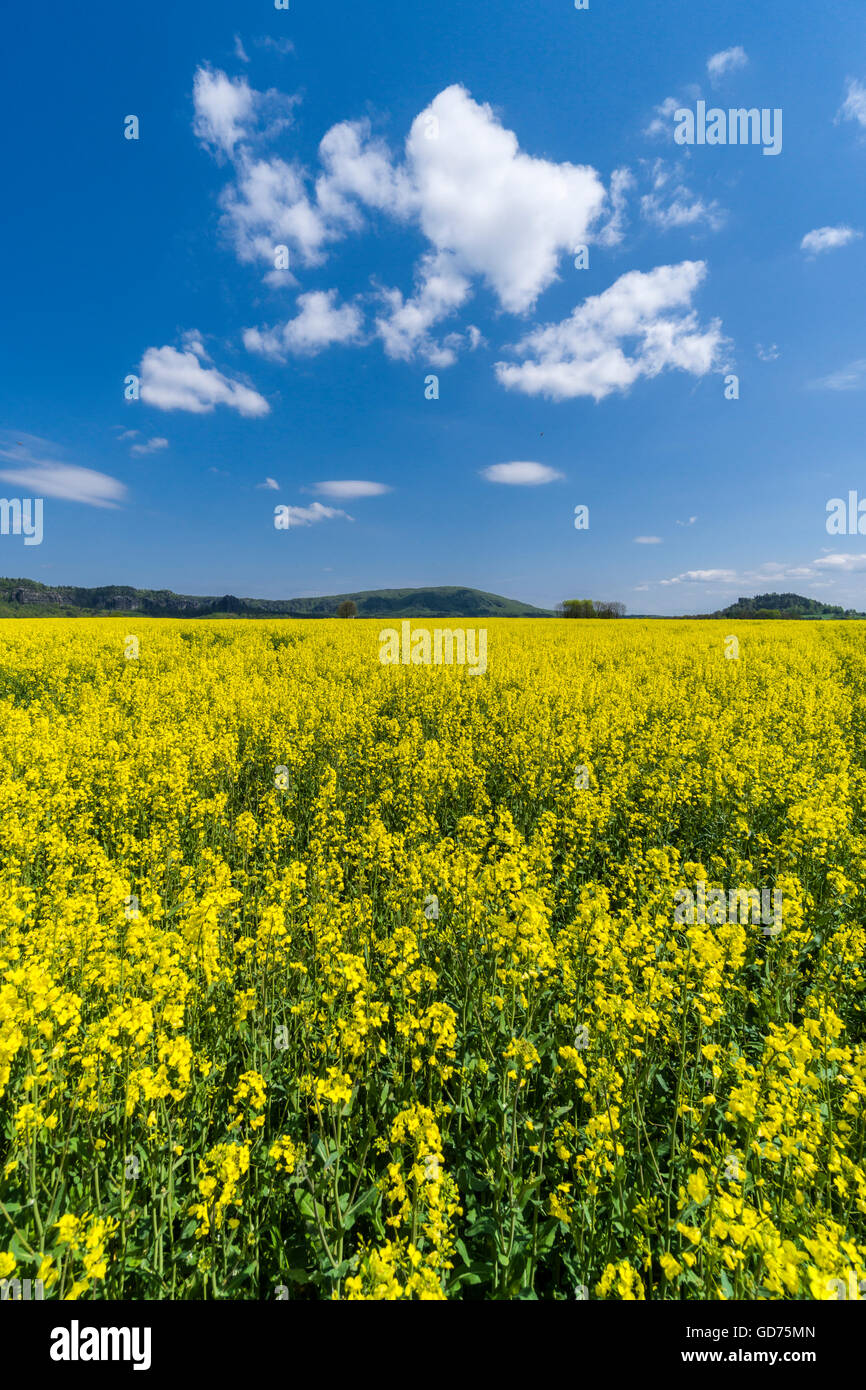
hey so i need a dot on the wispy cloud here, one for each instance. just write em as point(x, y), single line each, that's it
point(729, 60)
point(280, 46)
point(151, 447)
point(850, 378)
point(271, 484)
point(647, 540)
point(46, 477)
point(853, 108)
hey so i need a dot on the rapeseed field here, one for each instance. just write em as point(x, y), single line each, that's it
point(326, 979)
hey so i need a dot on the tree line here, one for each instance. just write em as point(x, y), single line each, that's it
point(589, 608)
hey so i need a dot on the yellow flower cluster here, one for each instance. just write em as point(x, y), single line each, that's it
point(367, 982)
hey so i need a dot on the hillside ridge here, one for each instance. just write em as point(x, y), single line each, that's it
point(28, 597)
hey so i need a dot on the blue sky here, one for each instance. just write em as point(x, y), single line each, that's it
point(430, 171)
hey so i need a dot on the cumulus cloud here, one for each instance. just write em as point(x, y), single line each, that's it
point(650, 313)
point(228, 111)
point(489, 210)
point(320, 324)
point(520, 474)
point(505, 215)
point(405, 326)
point(173, 380)
point(223, 109)
point(828, 239)
point(492, 215)
point(151, 447)
point(351, 487)
point(729, 60)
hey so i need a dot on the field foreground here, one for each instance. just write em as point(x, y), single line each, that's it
point(323, 978)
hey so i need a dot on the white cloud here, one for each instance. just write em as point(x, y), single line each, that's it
point(673, 205)
point(173, 380)
point(621, 183)
point(853, 108)
point(729, 60)
point(270, 206)
point(320, 324)
point(44, 478)
point(771, 572)
point(309, 516)
point(270, 483)
point(351, 487)
point(847, 564)
point(647, 540)
point(240, 51)
point(584, 354)
point(488, 209)
point(223, 109)
point(151, 447)
point(405, 329)
point(704, 577)
point(229, 112)
point(360, 167)
point(520, 474)
point(683, 209)
point(850, 378)
point(281, 46)
point(828, 239)
point(662, 122)
point(505, 215)
point(691, 521)
point(770, 354)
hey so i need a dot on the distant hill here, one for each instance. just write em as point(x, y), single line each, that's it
point(784, 606)
point(28, 598)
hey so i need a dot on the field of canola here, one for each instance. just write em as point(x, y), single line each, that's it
point(242, 1057)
